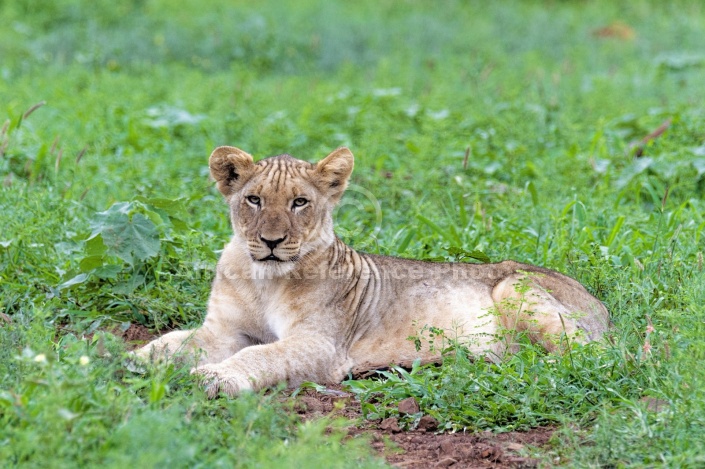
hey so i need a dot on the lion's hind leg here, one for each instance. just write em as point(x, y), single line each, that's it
point(524, 306)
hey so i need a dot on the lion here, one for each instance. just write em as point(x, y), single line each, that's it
point(292, 303)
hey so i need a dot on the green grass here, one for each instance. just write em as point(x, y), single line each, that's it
point(143, 91)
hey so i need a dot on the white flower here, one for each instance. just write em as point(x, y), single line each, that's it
point(84, 360)
point(41, 358)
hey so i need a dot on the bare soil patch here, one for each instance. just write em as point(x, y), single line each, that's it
point(135, 336)
point(422, 447)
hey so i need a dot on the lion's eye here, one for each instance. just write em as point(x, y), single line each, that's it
point(300, 202)
point(253, 199)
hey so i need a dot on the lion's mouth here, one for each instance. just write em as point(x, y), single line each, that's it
point(270, 257)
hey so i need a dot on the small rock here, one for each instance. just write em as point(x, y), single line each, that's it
point(511, 446)
point(390, 424)
point(517, 461)
point(447, 447)
point(427, 423)
point(408, 406)
point(307, 404)
point(492, 453)
point(446, 462)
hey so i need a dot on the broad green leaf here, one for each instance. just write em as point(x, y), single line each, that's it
point(95, 246)
point(80, 278)
point(156, 217)
point(129, 285)
point(170, 206)
point(89, 263)
point(126, 238)
point(179, 224)
point(107, 271)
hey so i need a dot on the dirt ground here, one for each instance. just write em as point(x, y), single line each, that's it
point(420, 448)
point(135, 336)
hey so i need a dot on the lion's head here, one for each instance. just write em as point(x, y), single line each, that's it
point(280, 207)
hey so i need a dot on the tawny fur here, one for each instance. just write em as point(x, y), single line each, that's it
point(291, 302)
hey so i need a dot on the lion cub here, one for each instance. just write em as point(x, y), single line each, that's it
point(291, 302)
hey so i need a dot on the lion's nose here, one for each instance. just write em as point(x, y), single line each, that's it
point(272, 243)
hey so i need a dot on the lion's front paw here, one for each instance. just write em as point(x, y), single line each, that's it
point(139, 359)
point(217, 378)
point(136, 362)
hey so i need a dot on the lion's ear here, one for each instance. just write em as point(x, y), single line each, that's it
point(334, 171)
point(231, 168)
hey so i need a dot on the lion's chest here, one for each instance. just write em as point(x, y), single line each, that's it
point(273, 313)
